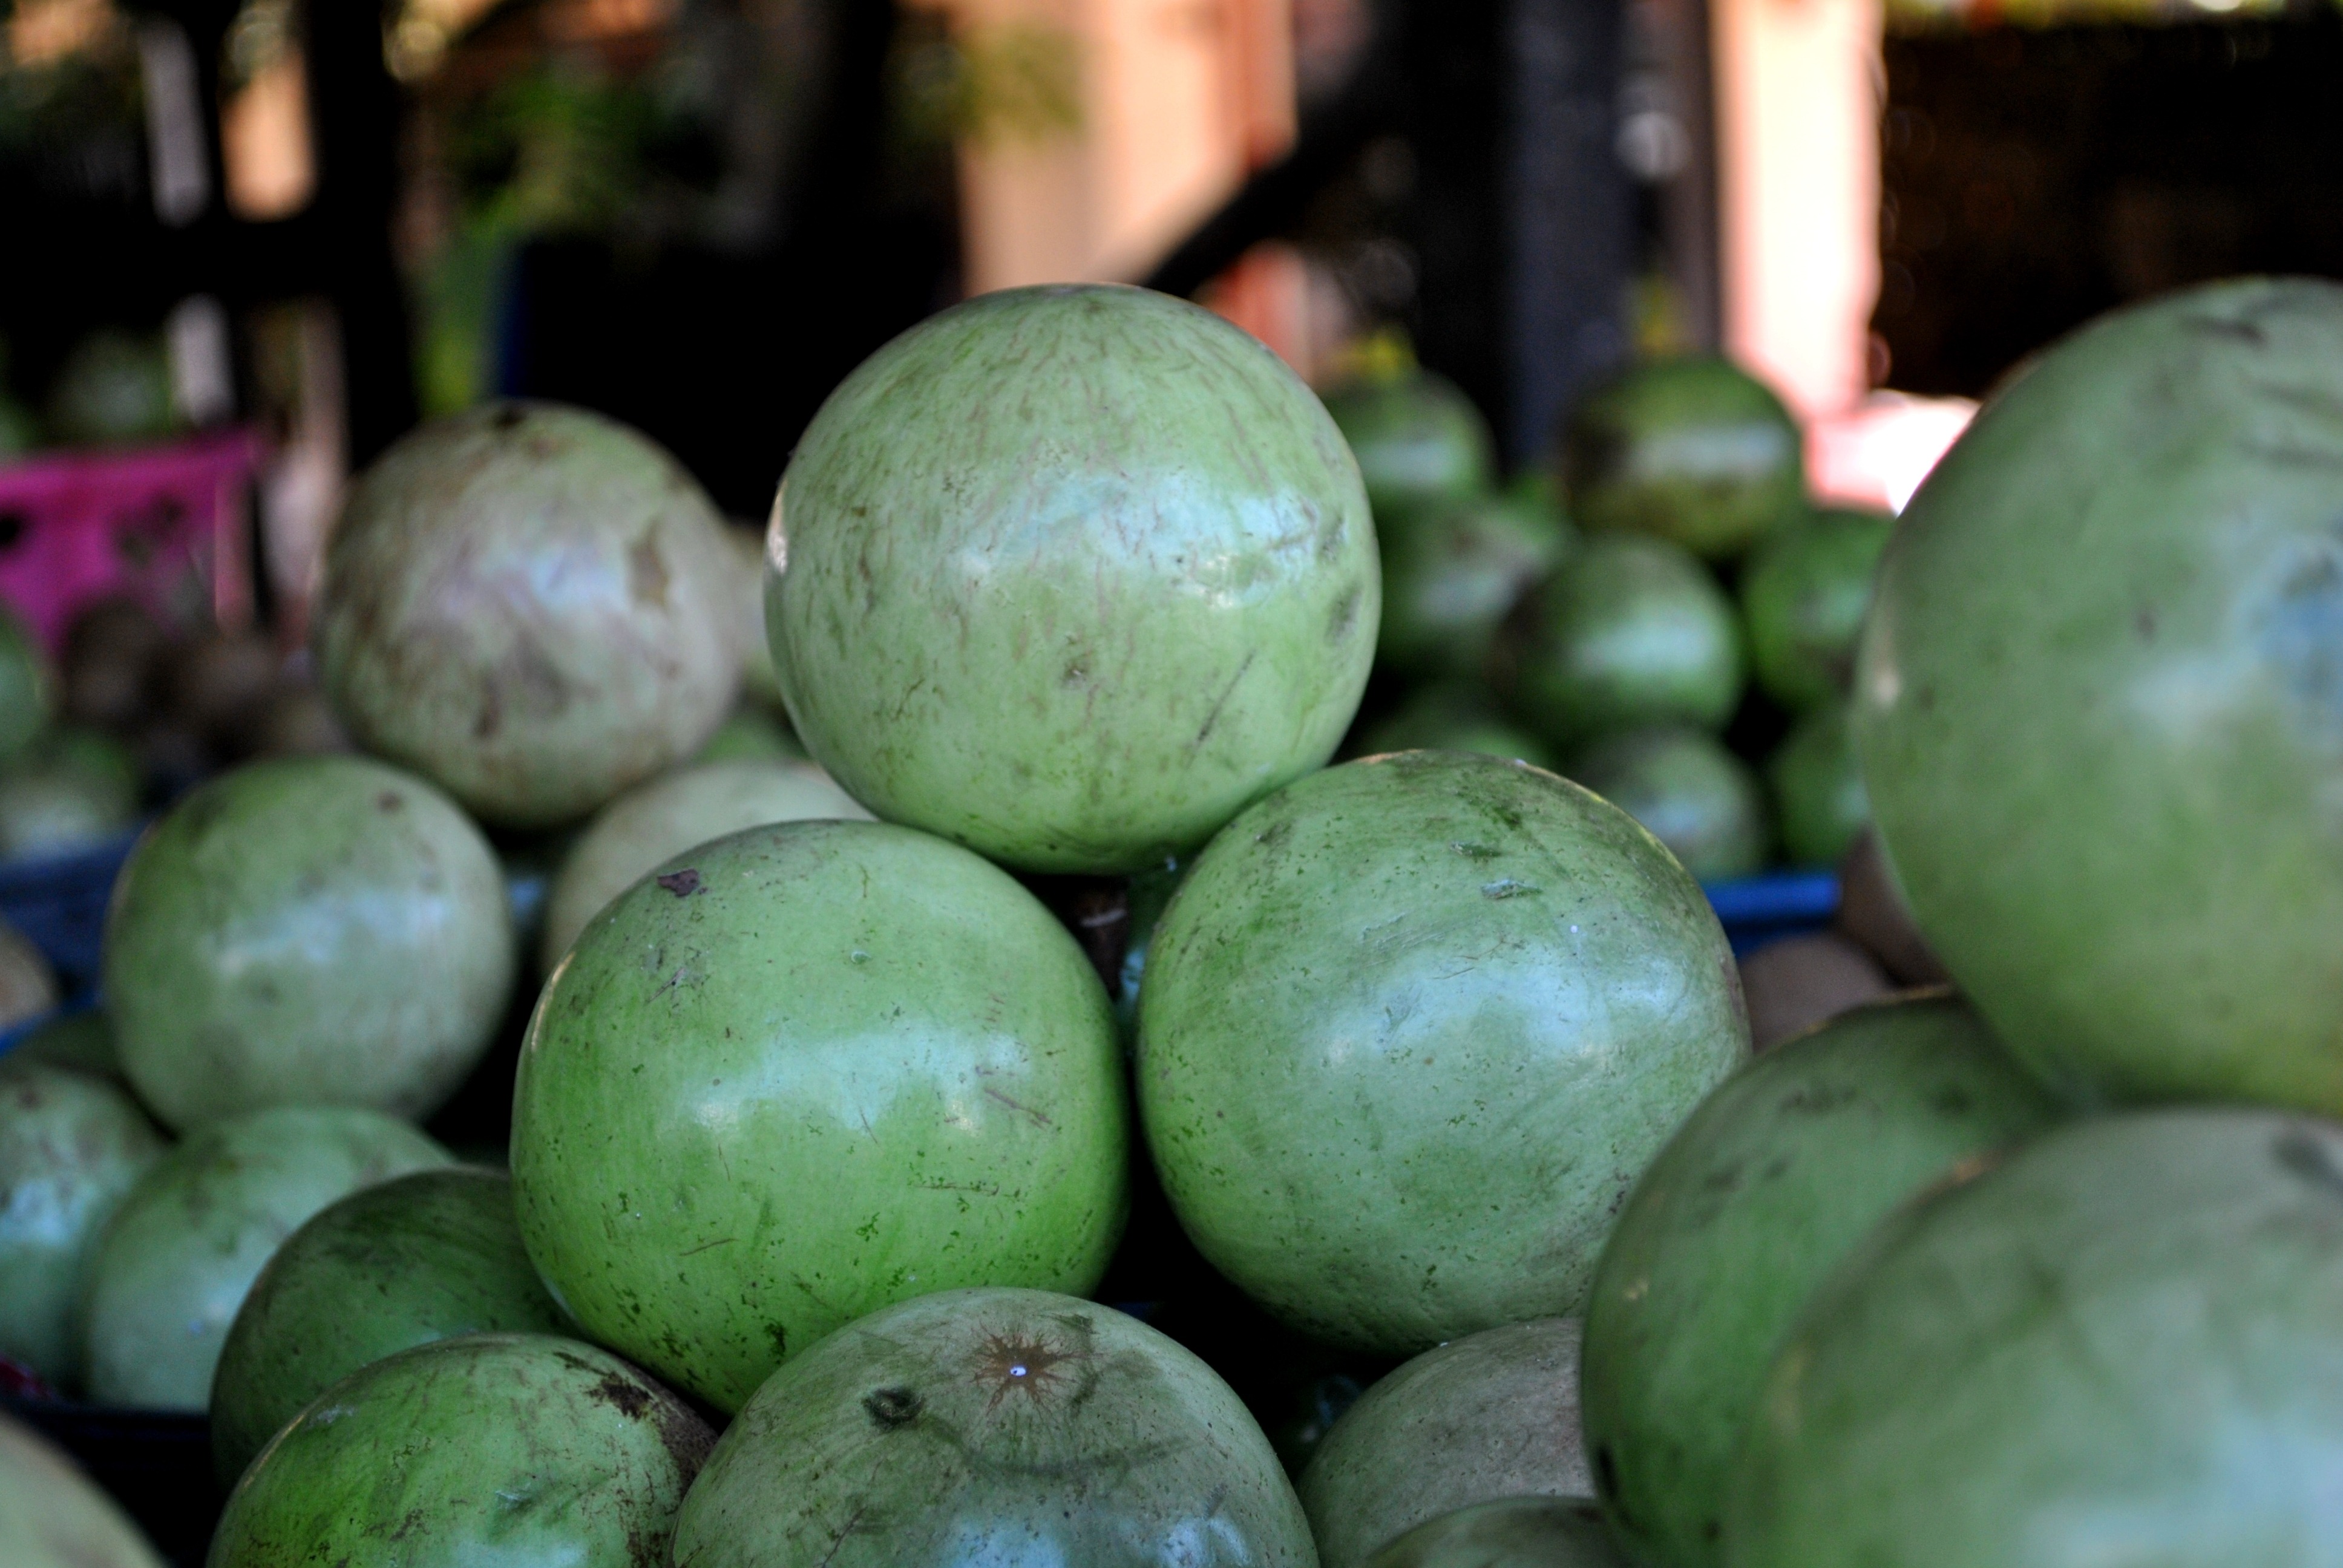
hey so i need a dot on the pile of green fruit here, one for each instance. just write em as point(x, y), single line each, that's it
point(828, 1133)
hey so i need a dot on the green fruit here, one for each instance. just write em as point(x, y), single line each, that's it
point(308, 931)
point(1695, 796)
point(68, 791)
point(114, 388)
point(752, 734)
point(2099, 707)
point(1766, 1187)
point(186, 1243)
point(1630, 631)
point(1450, 575)
point(1410, 1030)
point(71, 1146)
point(520, 1451)
point(1073, 575)
point(532, 605)
point(1418, 439)
point(51, 1517)
point(1805, 595)
point(1455, 716)
point(657, 821)
point(81, 1040)
point(993, 1426)
point(1518, 1532)
point(427, 1257)
point(27, 689)
point(808, 1070)
point(1491, 1415)
point(1693, 450)
point(1817, 786)
point(2124, 1346)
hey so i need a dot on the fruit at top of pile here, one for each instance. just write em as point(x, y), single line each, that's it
point(69, 789)
point(309, 931)
point(51, 1517)
point(422, 1258)
point(1774, 1181)
point(656, 821)
point(28, 986)
point(993, 1426)
point(1630, 631)
point(1451, 574)
point(519, 1449)
point(870, 1033)
point(1072, 574)
point(1805, 593)
point(532, 605)
point(1408, 1030)
point(71, 1146)
point(26, 688)
point(1691, 793)
point(1455, 716)
point(188, 1240)
point(1691, 449)
point(2125, 1345)
point(1491, 1415)
point(2100, 701)
point(1816, 782)
point(1515, 1533)
point(1419, 440)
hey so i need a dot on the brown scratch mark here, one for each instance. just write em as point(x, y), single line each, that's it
point(844, 1531)
point(704, 1246)
point(1221, 702)
point(1025, 1109)
point(683, 883)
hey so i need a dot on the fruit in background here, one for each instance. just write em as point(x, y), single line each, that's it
point(1816, 783)
point(309, 931)
point(1082, 631)
point(752, 734)
point(1517, 1533)
point(1452, 573)
point(1418, 439)
point(293, 718)
point(532, 605)
point(71, 789)
point(423, 1258)
point(1630, 631)
point(114, 388)
point(993, 1425)
point(81, 1040)
point(71, 1145)
point(1688, 791)
point(28, 986)
point(1804, 595)
point(213, 683)
point(1775, 1179)
point(1793, 983)
point(27, 689)
point(51, 1517)
point(1455, 716)
point(759, 681)
point(1873, 915)
point(1408, 1030)
point(1693, 450)
point(494, 1448)
point(186, 1243)
point(870, 1030)
point(1491, 1415)
point(2121, 1344)
point(2098, 703)
point(654, 822)
point(108, 668)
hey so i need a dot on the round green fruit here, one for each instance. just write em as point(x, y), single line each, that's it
point(51, 1517)
point(1409, 1031)
point(2099, 707)
point(1515, 1533)
point(1450, 575)
point(2124, 1345)
point(987, 1426)
point(312, 930)
point(1695, 796)
point(426, 1257)
point(1455, 716)
point(71, 1146)
point(1691, 449)
point(803, 1072)
point(1774, 1181)
point(532, 605)
point(1418, 439)
point(1491, 1415)
point(1817, 786)
point(1072, 574)
point(27, 690)
point(1630, 631)
point(187, 1241)
point(1805, 595)
point(523, 1450)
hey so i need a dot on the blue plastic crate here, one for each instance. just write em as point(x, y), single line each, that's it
point(1756, 910)
point(58, 902)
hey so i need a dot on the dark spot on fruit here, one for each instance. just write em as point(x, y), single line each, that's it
point(891, 1408)
point(1276, 833)
point(781, 1338)
point(1712, 1529)
point(2145, 624)
point(1507, 888)
point(509, 416)
point(1346, 615)
point(683, 883)
point(1606, 1477)
point(1952, 1100)
point(646, 574)
point(389, 801)
point(2224, 327)
point(629, 1399)
point(2304, 1154)
point(1476, 852)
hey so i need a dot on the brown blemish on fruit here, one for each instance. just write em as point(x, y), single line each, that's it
point(683, 883)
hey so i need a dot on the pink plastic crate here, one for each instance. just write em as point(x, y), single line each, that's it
point(167, 525)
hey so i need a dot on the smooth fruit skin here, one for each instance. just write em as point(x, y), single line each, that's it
point(2098, 707)
point(51, 1517)
point(1804, 595)
point(2123, 1346)
point(313, 930)
point(520, 1451)
point(1072, 576)
point(532, 605)
point(993, 1426)
point(1774, 1181)
point(71, 1146)
point(423, 1258)
point(808, 1070)
point(1419, 441)
point(1452, 574)
point(1696, 798)
point(1409, 1031)
point(1491, 1415)
point(1816, 782)
point(1693, 450)
point(656, 821)
point(186, 1243)
point(1515, 1533)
